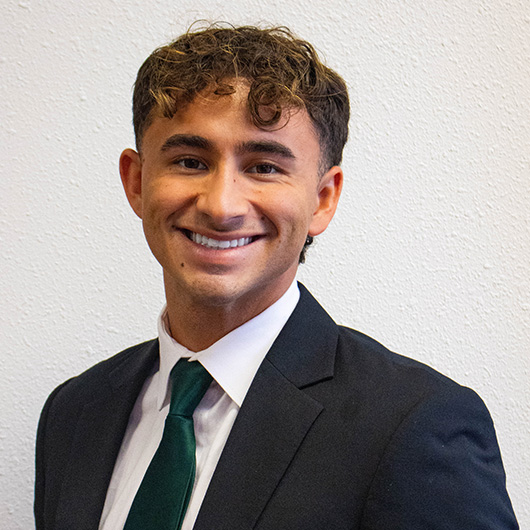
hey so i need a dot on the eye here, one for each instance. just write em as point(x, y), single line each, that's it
point(191, 163)
point(263, 169)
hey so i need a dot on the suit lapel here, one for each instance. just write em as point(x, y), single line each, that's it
point(97, 440)
point(273, 421)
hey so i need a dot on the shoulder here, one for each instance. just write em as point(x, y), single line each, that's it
point(394, 397)
point(373, 392)
point(436, 452)
point(373, 366)
point(354, 358)
point(427, 437)
point(120, 376)
point(357, 371)
point(103, 376)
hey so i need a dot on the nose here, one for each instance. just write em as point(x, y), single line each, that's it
point(222, 198)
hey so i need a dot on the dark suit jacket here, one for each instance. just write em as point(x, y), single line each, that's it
point(336, 432)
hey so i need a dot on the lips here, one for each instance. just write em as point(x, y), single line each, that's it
point(216, 243)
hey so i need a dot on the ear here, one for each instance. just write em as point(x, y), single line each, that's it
point(329, 188)
point(131, 178)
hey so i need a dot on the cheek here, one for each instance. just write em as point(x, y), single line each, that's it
point(298, 207)
point(161, 201)
point(292, 216)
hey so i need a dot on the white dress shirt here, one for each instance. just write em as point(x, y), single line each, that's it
point(232, 362)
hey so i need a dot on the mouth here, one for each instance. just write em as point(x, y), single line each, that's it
point(218, 244)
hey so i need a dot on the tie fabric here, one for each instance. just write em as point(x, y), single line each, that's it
point(163, 496)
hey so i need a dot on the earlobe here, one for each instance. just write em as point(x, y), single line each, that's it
point(131, 178)
point(329, 189)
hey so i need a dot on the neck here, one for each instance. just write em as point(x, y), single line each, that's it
point(197, 325)
point(198, 328)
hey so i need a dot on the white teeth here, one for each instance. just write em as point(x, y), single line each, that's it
point(214, 243)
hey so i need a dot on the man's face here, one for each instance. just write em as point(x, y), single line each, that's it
point(226, 206)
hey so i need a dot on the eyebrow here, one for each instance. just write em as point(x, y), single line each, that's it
point(252, 146)
point(266, 146)
point(186, 140)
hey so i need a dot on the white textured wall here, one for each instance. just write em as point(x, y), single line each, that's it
point(430, 251)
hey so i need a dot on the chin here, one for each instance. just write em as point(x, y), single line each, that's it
point(215, 291)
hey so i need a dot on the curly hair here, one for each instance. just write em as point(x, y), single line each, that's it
point(282, 72)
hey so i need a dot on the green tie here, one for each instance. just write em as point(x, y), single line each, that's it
point(163, 496)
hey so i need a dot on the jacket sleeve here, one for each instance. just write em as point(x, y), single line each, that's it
point(442, 470)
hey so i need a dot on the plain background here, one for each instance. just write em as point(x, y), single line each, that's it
point(430, 250)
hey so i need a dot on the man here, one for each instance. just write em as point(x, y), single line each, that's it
point(300, 424)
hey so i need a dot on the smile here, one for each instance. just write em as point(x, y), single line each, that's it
point(216, 243)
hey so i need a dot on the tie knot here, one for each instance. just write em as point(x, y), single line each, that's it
point(190, 381)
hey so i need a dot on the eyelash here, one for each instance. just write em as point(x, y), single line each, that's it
point(183, 160)
point(273, 169)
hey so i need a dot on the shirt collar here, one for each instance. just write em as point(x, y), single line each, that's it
point(235, 358)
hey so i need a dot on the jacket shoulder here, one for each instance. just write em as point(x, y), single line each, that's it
point(438, 459)
point(377, 366)
point(130, 366)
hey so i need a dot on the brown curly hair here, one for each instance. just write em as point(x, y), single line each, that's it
point(282, 71)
